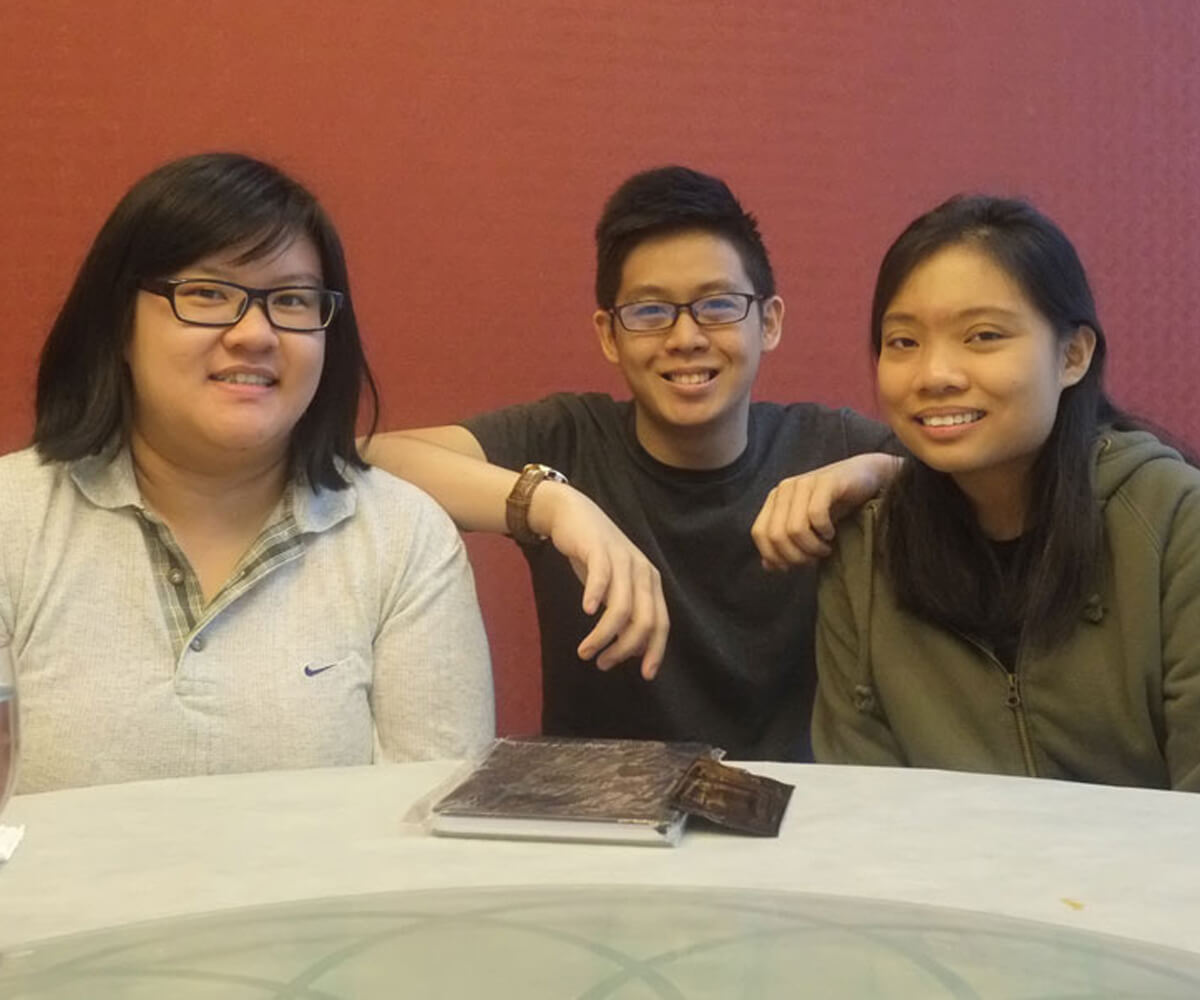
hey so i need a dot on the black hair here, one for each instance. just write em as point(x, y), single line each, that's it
point(178, 214)
point(670, 200)
point(941, 565)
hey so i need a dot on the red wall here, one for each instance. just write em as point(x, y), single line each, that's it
point(465, 149)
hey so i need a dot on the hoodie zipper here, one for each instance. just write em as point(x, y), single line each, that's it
point(1013, 701)
point(1018, 710)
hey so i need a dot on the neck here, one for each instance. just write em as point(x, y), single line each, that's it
point(697, 447)
point(1000, 498)
point(190, 494)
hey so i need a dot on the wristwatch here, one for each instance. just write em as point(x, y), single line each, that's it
point(516, 507)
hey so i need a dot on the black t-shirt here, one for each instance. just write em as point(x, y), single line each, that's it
point(739, 668)
point(1005, 643)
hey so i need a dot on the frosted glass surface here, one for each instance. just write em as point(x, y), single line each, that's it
point(591, 943)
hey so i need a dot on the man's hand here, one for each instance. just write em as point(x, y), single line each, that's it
point(449, 464)
point(796, 524)
point(615, 576)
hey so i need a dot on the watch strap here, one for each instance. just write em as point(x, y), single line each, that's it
point(516, 506)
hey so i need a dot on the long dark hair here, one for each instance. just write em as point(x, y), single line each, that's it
point(942, 566)
point(173, 217)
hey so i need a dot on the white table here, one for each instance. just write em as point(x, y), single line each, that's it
point(1099, 859)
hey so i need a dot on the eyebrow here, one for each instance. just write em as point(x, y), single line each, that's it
point(284, 281)
point(641, 293)
point(972, 313)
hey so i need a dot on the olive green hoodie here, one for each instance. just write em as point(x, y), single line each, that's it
point(1117, 702)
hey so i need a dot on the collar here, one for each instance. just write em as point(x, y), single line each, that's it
point(107, 480)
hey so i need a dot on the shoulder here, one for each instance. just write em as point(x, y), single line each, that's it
point(1145, 483)
point(562, 430)
point(803, 436)
point(853, 560)
point(858, 533)
point(376, 515)
point(584, 408)
point(380, 497)
point(378, 530)
point(847, 580)
point(25, 467)
point(1137, 464)
point(26, 481)
point(570, 407)
point(816, 415)
point(37, 502)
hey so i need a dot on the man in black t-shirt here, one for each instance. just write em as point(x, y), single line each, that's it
point(666, 489)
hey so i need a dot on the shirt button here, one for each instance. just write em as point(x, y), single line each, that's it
point(198, 643)
point(175, 576)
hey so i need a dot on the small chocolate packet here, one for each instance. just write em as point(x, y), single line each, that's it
point(733, 798)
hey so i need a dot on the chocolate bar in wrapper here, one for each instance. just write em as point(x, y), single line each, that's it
point(733, 798)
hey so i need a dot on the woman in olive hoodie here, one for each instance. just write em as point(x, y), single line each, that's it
point(1025, 597)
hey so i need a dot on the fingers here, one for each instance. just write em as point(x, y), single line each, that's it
point(796, 523)
point(597, 577)
point(820, 511)
point(634, 621)
point(618, 601)
point(617, 578)
point(657, 647)
point(645, 630)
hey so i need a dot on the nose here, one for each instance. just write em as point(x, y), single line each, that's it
point(686, 334)
point(253, 332)
point(939, 370)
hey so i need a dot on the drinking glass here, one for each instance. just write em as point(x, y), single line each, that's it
point(9, 733)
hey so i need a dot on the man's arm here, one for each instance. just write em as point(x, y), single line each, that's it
point(796, 523)
point(449, 464)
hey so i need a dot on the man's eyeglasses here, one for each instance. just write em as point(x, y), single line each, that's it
point(208, 302)
point(708, 310)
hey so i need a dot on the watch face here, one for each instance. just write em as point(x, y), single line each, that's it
point(546, 472)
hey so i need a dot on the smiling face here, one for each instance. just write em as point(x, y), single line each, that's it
point(690, 384)
point(221, 398)
point(970, 373)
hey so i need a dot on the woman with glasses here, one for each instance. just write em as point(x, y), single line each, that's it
point(197, 572)
point(1025, 597)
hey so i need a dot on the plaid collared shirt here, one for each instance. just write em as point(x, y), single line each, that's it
point(113, 484)
point(178, 587)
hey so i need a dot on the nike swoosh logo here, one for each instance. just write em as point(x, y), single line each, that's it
point(311, 671)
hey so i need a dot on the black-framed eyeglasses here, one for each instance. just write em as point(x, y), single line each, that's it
point(708, 310)
point(209, 302)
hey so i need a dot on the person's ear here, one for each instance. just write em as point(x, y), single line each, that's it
point(603, 321)
point(772, 322)
point(1077, 356)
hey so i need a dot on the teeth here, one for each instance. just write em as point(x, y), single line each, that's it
point(951, 419)
point(690, 378)
point(244, 378)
